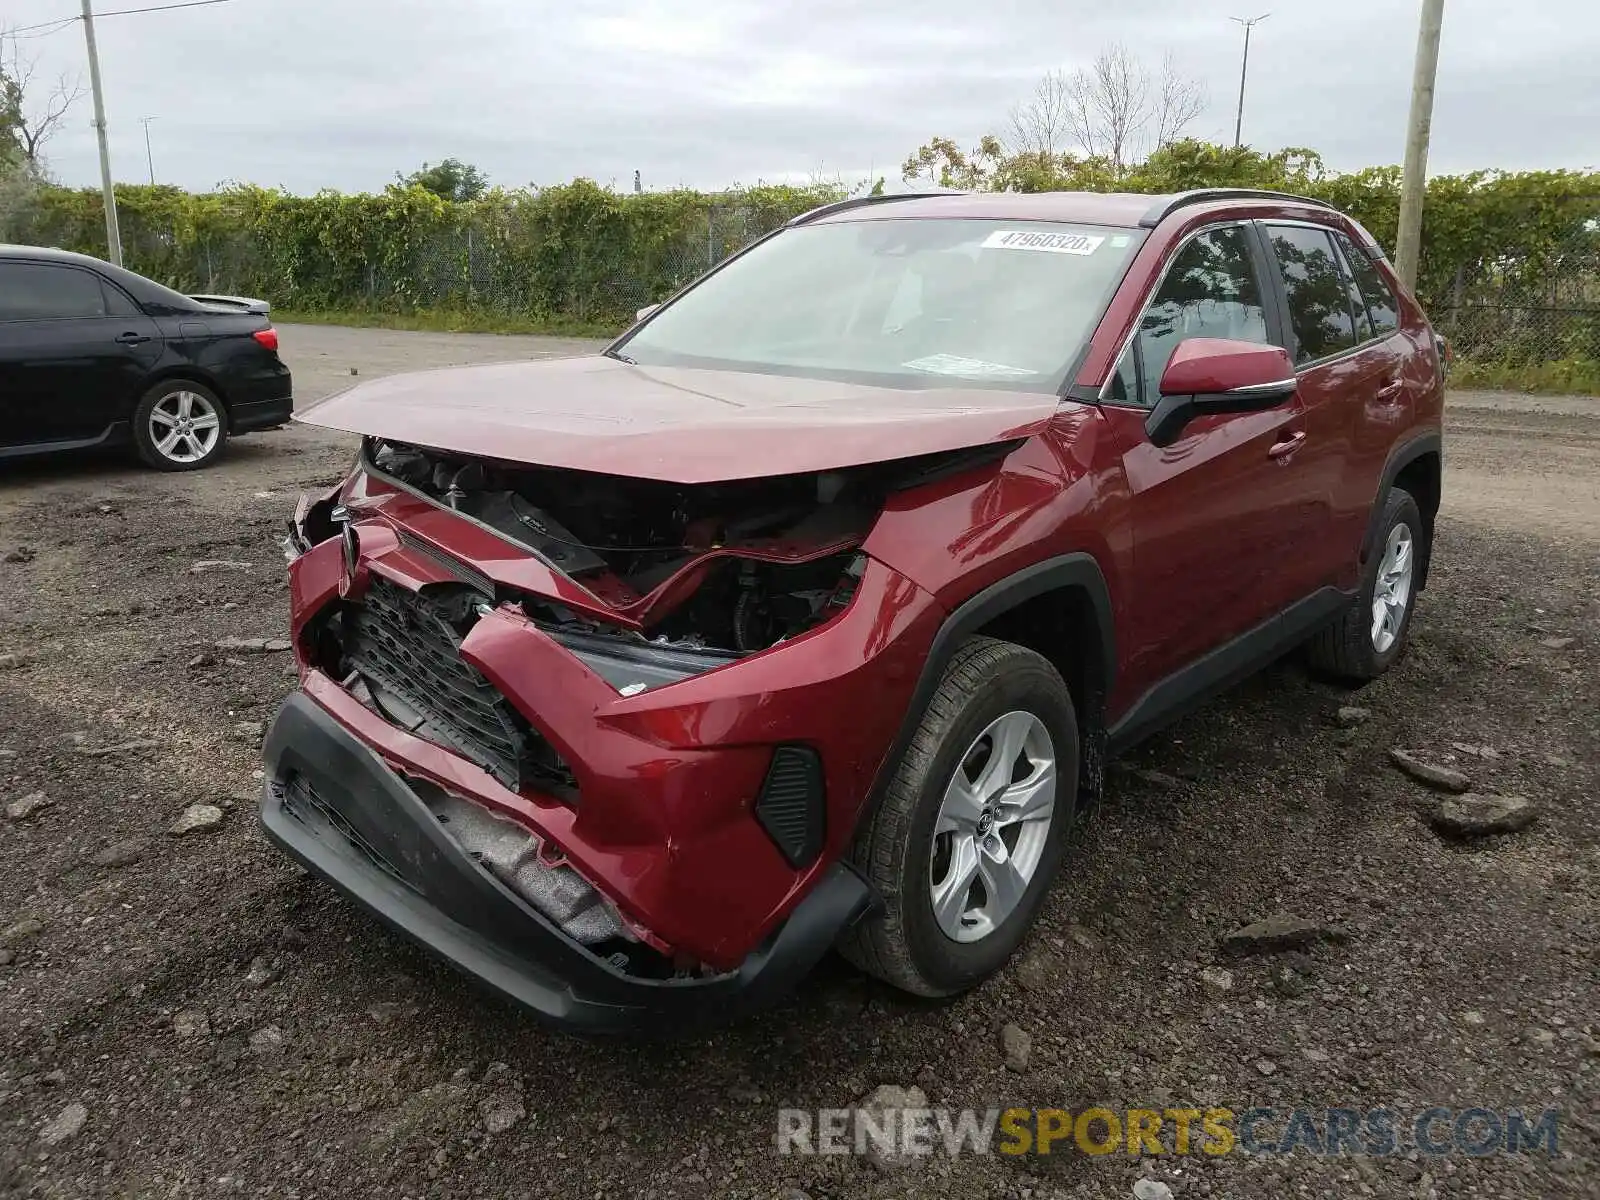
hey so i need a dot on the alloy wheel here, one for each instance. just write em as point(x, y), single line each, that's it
point(184, 426)
point(1391, 593)
point(992, 827)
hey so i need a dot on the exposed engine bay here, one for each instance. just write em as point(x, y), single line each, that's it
point(731, 567)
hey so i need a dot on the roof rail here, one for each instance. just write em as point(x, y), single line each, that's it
point(838, 206)
point(1165, 206)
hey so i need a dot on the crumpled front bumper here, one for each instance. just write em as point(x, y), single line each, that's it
point(333, 804)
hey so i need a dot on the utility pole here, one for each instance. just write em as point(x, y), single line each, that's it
point(1414, 182)
point(1244, 67)
point(149, 160)
point(113, 237)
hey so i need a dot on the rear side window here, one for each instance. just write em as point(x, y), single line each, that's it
point(1210, 291)
point(1374, 288)
point(1317, 291)
point(46, 292)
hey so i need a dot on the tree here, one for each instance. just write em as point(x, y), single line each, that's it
point(450, 180)
point(27, 120)
point(1115, 109)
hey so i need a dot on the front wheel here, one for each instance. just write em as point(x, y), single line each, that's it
point(972, 829)
point(179, 426)
point(1370, 636)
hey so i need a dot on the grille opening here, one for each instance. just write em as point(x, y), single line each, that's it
point(404, 647)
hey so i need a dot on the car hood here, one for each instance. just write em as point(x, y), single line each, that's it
point(675, 424)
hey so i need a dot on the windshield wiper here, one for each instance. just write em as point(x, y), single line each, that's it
point(620, 357)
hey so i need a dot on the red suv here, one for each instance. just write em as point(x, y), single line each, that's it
point(809, 611)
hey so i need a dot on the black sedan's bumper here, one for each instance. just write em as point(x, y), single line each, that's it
point(334, 805)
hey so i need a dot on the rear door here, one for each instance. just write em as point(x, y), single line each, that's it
point(1349, 381)
point(1220, 515)
point(74, 353)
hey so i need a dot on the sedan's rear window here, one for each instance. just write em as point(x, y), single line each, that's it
point(902, 303)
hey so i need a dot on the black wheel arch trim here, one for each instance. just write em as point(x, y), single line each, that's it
point(1399, 459)
point(1079, 571)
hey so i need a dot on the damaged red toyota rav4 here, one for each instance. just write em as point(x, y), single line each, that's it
point(807, 613)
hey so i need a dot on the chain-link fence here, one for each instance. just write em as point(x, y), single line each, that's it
point(1522, 306)
point(1514, 282)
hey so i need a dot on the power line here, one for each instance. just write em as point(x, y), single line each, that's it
point(62, 22)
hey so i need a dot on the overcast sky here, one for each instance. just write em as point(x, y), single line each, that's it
point(307, 94)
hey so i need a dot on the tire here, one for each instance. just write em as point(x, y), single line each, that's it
point(1350, 647)
point(159, 416)
point(988, 685)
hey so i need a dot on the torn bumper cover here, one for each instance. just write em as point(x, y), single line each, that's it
point(333, 804)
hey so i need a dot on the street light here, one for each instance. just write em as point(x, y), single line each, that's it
point(1244, 66)
point(148, 157)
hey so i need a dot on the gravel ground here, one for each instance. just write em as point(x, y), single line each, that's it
point(187, 1015)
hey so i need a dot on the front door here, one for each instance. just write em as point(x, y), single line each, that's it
point(73, 353)
point(1223, 516)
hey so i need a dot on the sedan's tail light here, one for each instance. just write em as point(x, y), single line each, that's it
point(267, 337)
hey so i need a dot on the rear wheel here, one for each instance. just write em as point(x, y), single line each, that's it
point(972, 829)
point(179, 426)
point(1370, 636)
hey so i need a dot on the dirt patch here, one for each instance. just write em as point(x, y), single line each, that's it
point(230, 1026)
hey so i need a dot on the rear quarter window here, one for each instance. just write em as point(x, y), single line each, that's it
point(1316, 289)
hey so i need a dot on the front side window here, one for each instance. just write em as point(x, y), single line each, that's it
point(1210, 291)
point(1319, 298)
point(899, 302)
point(1380, 302)
point(45, 292)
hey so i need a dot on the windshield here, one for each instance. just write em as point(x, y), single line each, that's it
point(900, 303)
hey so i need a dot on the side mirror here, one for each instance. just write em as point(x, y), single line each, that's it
point(1218, 375)
point(644, 312)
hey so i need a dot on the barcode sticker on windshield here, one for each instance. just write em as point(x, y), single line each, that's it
point(1050, 243)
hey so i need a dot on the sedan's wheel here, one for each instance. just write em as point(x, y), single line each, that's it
point(179, 426)
point(966, 839)
point(1370, 634)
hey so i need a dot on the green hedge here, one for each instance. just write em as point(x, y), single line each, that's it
point(1510, 261)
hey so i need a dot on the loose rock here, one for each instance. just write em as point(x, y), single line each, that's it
point(1160, 779)
point(197, 818)
point(501, 1111)
point(887, 1096)
point(1445, 778)
point(201, 660)
point(260, 973)
point(1266, 1066)
point(242, 645)
point(1282, 931)
point(21, 554)
point(1217, 979)
point(1479, 815)
point(26, 806)
point(1018, 1045)
point(10, 662)
point(267, 1041)
point(1151, 1189)
point(218, 564)
point(1556, 643)
point(66, 1124)
point(22, 931)
point(119, 854)
point(1349, 716)
point(248, 732)
point(191, 1023)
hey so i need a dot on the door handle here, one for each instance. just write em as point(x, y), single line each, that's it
point(1286, 447)
point(1391, 389)
point(131, 339)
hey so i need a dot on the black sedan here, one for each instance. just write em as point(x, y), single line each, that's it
point(92, 355)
